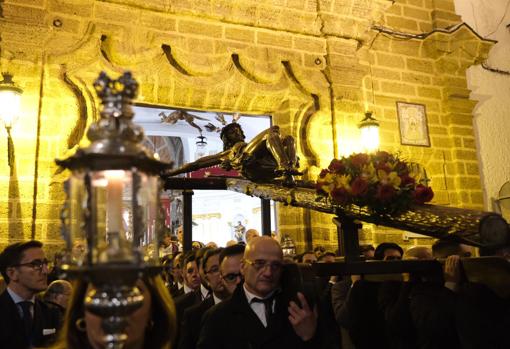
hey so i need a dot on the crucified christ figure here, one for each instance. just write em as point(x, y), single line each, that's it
point(265, 157)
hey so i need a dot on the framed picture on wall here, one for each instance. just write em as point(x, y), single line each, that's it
point(412, 123)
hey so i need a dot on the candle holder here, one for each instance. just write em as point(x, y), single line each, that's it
point(111, 220)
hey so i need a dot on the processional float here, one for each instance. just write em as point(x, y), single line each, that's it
point(112, 212)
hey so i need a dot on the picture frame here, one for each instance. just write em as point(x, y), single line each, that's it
point(412, 124)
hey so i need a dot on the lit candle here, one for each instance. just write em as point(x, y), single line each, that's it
point(114, 200)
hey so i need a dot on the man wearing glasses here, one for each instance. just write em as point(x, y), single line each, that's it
point(257, 315)
point(25, 321)
point(190, 329)
point(230, 267)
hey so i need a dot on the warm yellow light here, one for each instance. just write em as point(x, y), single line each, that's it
point(10, 100)
point(369, 128)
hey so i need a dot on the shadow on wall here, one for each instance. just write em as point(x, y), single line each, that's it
point(15, 214)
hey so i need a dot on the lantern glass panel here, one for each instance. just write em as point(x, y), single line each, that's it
point(77, 239)
point(10, 102)
point(149, 206)
point(370, 137)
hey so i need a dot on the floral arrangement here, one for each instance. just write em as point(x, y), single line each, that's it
point(381, 181)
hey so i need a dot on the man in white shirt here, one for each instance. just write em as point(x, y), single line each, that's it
point(257, 315)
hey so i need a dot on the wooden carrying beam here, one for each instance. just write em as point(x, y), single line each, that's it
point(477, 228)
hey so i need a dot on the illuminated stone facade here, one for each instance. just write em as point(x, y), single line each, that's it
point(315, 65)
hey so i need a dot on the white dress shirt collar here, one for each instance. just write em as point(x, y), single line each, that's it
point(187, 289)
point(216, 299)
point(16, 298)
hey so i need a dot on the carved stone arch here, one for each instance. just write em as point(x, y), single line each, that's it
point(250, 80)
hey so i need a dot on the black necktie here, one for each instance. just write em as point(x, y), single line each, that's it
point(268, 307)
point(26, 306)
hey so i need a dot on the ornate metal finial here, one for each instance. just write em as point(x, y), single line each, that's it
point(116, 124)
point(116, 95)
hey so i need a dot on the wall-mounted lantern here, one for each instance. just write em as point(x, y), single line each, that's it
point(10, 102)
point(369, 128)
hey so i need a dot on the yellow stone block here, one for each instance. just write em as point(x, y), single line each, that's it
point(72, 7)
point(23, 14)
point(445, 15)
point(415, 78)
point(240, 34)
point(158, 21)
point(310, 44)
point(429, 92)
point(472, 169)
point(441, 142)
point(415, 13)
point(418, 3)
point(408, 47)
point(123, 14)
point(398, 88)
point(389, 60)
point(199, 28)
point(461, 154)
point(476, 197)
point(395, 9)
point(420, 65)
point(274, 39)
point(425, 27)
point(401, 23)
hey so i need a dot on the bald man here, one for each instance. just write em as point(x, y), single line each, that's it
point(58, 293)
point(418, 252)
point(250, 234)
point(257, 315)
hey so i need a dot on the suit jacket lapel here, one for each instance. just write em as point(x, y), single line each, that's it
point(208, 302)
point(38, 322)
point(247, 321)
point(279, 319)
point(15, 320)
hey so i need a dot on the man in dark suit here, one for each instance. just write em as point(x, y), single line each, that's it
point(25, 321)
point(192, 318)
point(257, 315)
point(176, 288)
point(192, 294)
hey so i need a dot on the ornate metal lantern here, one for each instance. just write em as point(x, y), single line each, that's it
point(288, 246)
point(111, 219)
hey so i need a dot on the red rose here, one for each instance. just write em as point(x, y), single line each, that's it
point(323, 173)
point(382, 156)
point(422, 194)
point(359, 160)
point(336, 166)
point(407, 181)
point(340, 196)
point(385, 193)
point(359, 187)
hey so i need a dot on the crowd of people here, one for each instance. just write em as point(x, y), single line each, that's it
point(235, 297)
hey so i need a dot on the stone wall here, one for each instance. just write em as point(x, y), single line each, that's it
point(315, 65)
